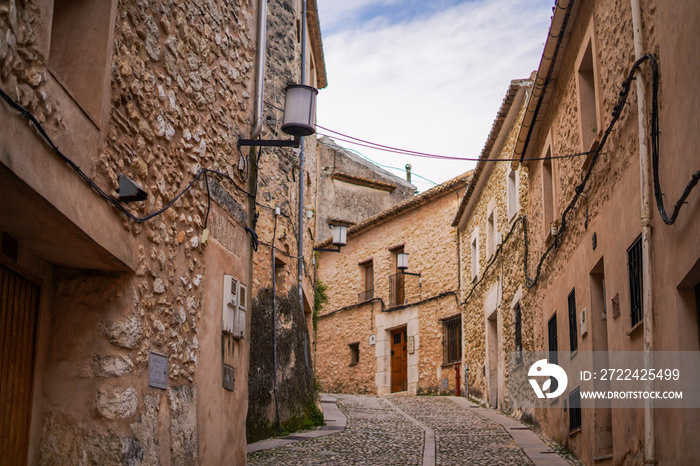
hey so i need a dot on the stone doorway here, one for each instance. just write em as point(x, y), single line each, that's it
point(399, 360)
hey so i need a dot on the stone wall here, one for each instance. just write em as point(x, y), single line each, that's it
point(177, 94)
point(351, 188)
point(421, 225)
point(489, 297)
point(606, 219)
point(278, 187)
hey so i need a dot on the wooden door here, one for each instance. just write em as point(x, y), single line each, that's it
point(399, 360)
point(19, 306)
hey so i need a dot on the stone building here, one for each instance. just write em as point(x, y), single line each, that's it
point(491, 271)
point(115, 349)
point(386, 329)
point(606, 272)
point(275, 263)
point(351, 188)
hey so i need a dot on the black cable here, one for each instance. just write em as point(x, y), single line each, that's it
point(29, 116)
point(655, 151)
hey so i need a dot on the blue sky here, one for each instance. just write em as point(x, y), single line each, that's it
point(425, 75)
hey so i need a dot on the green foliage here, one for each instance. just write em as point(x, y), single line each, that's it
point(320, 298)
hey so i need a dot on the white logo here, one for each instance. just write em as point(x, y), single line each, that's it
point(543, 368)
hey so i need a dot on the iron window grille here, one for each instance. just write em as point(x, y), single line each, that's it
point(354, 353)
point(634, 263)
point(573, 331)
point(575, 409)
point(452, 340)
point(518, 336)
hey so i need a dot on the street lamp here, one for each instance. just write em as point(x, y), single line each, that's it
point(340, 235)
point(298, 121)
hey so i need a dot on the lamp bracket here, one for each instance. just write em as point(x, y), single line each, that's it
point(327, 249)
point(296, 142)
point(411, 273)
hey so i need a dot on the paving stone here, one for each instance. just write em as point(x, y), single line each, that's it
point(378, 434)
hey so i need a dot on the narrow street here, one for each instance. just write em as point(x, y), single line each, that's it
point(409, 430)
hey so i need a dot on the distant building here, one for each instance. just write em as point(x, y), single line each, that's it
point(351, 188)
point(384, 329)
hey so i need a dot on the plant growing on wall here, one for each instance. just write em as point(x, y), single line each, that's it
point(320, 298)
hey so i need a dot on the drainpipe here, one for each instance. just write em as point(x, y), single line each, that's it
point(647, 295)
point(302, 147)
point(274, 324)
point(260, 68)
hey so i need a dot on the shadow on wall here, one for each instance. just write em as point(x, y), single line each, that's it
point(295, 380)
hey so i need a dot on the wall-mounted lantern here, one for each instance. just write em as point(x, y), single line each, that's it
point(340, 235)
point(299, 118)
point(402, 264)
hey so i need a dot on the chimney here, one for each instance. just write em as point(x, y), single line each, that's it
point(408, 172)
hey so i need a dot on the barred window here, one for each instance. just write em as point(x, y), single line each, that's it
point(573, 331)
point(575, 409)
point(452, 340)
point(634, 263)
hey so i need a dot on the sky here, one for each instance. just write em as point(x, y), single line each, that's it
point(426, 76)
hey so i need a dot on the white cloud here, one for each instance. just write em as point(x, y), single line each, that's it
point(432, 83)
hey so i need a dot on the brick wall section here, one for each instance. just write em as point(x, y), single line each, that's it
point(422, 226)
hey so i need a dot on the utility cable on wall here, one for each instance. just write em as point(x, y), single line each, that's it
point(616, 113)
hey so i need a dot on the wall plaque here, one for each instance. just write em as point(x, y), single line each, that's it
point(229, 377)
point(157, 370)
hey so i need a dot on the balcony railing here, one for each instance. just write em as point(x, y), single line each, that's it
point(365, 296)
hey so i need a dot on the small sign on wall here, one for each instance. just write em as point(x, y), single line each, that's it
point(157, 370)
point(372, 340)
point(411, 345)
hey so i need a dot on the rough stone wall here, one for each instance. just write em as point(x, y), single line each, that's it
point(180, 75)
point(335, 333)
point(497, 286)
point(352, 202)
point(278, 186)
point(610, 209)
point(431, 243)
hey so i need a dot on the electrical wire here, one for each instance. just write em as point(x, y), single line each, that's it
point(364, 143)
point(530, 282)
point(389, 167)
point(116, 203)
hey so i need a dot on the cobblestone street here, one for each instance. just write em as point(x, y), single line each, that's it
point(405, 430)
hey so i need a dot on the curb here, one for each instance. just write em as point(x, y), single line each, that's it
point(539, 452)
point(335, 422)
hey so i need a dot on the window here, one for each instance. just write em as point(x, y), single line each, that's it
point(397, 281)
point(587, 92)
point(518, 335)
point(79, 48)
point(368, 281)
point(491, 234)
point(512, 186)
point(548, 190)
point(354, 353)
point(575, 409)
point(452, 340)
point(573, 331)
point(475, 254)
point(634, 264)
point(553, 348)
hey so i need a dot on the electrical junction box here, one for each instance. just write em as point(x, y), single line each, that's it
point(584, 321)
point(235, 305)
point(372, 340)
